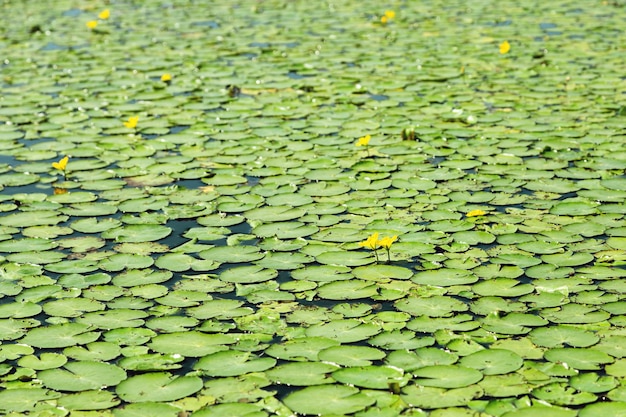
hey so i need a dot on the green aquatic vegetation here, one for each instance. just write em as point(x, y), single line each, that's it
point(190, 224)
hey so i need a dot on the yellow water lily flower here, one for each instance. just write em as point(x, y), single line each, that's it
point(389, 15)
point(62, 164)
point(166, 77)
point(474, 213)
point(371, 242)
point(364, 141)
point(505, 47)
point(132, 122)
point(92, 24)
point(104, 15)
point(387, 241)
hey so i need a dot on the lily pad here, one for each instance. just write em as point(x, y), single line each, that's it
point(303, 373)
point(81, 376)
point(577, 358)
point(157, 386)
point(445, 277)
point(434, 398)
point(446, 376)
point(248, 274)
point(232, 363)
point(328, 399)
point(60, 335)
point(371, 376)
point(137, 233)
point(194, 344)
point(493, 361)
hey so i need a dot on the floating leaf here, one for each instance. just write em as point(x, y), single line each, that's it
point(157, 386)
point(328, 399)
point(81, 376)
point(232, 363)
point(60, 335)
point(577, 358)
point(446, 376)
point(493, 361)
point(192, 343)
point(433, 398)
point(303, 373)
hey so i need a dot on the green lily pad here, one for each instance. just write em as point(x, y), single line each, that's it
point(113, 319)
point(94, 351)
point(47, 360)
point(137, 277)
point(248, 274)
point(347, 290)
point(232, 409)
point(351, 355)
point(344, 258)
point(505, 386)
point(193, 343)
point(446, 376)
point(459, 322)
point(21, 400)
point(303, 373)
point(493, 361)
point(179, 262)
point(472, 237)
point(512, 323)
point(232, 363)
point(323, 273)
point(616, 408)
point(157, 386)
point(434, 398)
point(541, 410)
point(436, 306)
point(371, 376)
point(284, 260)
point(122, 261)
point(563, 335)
point(81, 376)
point(285, 230)
point(400, 339)
point(420, 358)
point(60, 335)
point(577, 358)
point(232, 254)
point(32, 218)
point(89, 400)
point(151, 362)
point(502, 287)
point(383, 273)
point(19, 310)
point(27, 244)
point(568, 258)
point(328, 399)
point(71, 307)
point(137, 233)
point(274, 213)
point(592, 382)
point(301, 349)
point(574, 208)
point(222, 309)
point(344, 331)
point(560, 393)
point(445, 277)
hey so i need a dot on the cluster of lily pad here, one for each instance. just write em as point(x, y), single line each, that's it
point(207, 260)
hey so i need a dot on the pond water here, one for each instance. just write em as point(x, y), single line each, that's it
point(300, 208)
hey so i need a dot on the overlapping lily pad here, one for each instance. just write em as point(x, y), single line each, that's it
point(193, 234)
